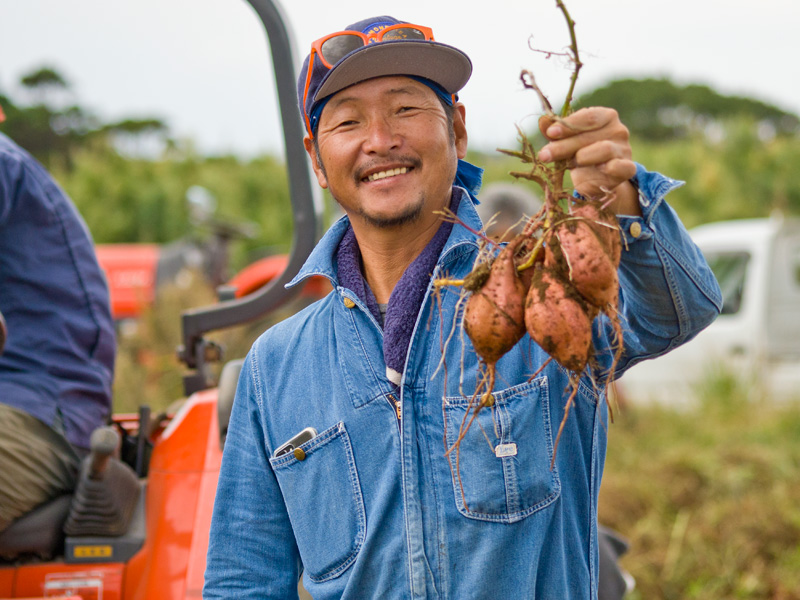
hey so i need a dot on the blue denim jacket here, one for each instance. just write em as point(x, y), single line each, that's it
point(373, 507)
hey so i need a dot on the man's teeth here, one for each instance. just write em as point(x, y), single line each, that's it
point(389, 173)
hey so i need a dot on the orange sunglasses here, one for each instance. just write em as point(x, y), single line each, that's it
point(335, 46)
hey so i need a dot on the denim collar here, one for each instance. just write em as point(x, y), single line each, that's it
point(323, 261)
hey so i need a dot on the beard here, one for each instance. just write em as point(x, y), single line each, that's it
point(411, 214)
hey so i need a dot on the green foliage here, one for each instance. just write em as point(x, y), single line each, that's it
point(658, 109)
point(737, 175)
point(44, 77)
point(53, 128)
point(137, 126)
point(136, 200)
point(43, 132)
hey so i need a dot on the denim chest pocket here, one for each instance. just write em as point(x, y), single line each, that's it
point(501, 468)
point(323, 497)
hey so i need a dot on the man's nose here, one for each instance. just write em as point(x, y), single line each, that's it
point(381, 137)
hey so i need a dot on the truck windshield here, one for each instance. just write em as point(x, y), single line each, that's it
point(730, 269)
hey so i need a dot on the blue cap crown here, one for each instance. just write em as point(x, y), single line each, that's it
point(444, 65)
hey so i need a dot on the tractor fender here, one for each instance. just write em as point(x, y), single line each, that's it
point(261, 272)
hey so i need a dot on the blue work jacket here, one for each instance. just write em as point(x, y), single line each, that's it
point(373, 506)
point(58, 363)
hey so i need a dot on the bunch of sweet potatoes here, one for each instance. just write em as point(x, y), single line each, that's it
point(551, 281)
point(573, 279)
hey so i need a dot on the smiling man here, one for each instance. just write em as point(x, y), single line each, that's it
point(335, 464)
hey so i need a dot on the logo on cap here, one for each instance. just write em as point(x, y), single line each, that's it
point(376, 27)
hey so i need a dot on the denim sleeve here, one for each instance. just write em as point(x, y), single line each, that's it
point(251, 551)
point(668, 293)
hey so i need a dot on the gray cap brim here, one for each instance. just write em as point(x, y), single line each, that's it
point(446, 65)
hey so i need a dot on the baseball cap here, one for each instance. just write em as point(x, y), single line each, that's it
point(420, 57)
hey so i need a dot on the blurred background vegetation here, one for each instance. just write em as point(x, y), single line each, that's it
point(709, 496)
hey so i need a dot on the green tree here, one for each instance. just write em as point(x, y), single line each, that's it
point(54, 131)
point(139, 138)
point(45, 83)
point(658, 109)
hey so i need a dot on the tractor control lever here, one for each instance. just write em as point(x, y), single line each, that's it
point(107, 493)
point(103, 444)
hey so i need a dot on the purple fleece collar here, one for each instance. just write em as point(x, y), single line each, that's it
point(407, 296)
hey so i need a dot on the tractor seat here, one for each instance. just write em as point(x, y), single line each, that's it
point(39, 532)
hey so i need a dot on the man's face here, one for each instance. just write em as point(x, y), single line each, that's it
point(387, 152)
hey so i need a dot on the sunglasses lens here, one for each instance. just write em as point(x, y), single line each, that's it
point(403, 33)
point(336, 48)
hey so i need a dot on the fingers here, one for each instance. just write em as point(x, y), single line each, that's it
point(600, 152)
point(584, 120)
point(593, 181)
point(579, 130)
point(545, 121)
point(595, 145)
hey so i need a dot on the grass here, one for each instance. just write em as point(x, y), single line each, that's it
point(709, 498)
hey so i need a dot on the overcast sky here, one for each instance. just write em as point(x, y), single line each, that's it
point(203, 65)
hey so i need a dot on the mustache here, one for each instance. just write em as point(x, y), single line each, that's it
point(406, 161)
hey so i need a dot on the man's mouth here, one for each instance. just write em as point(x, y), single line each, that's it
point(387, 173)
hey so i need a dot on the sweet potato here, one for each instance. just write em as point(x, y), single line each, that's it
point(604, 223)
point(559, 320)
point(576, 249)
point(494, 315)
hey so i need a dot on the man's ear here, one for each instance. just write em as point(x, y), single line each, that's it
point(460, 129)
point(319, 171)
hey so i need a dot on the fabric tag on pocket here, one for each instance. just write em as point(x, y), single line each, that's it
point(505, 450)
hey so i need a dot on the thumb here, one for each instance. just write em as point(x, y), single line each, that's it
point(544, 123)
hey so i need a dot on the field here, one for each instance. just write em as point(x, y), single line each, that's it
point(709, 498)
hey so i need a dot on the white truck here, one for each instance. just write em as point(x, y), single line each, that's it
point(757, 336)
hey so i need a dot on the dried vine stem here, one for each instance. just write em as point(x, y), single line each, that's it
point(576, 59)
point(550, 281)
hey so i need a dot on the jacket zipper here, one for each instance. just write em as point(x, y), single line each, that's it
point(398, 410)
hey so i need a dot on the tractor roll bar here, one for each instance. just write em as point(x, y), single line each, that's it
point(195, 351)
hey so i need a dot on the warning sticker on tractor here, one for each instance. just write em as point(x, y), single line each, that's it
point(88, 586)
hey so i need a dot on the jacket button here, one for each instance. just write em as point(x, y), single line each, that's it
point(349, 303)
point(636, 229)
point(299, 454)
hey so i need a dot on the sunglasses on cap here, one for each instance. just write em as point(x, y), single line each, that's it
point(335, 46)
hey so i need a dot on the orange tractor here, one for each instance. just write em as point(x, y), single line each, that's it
point(136, 527)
